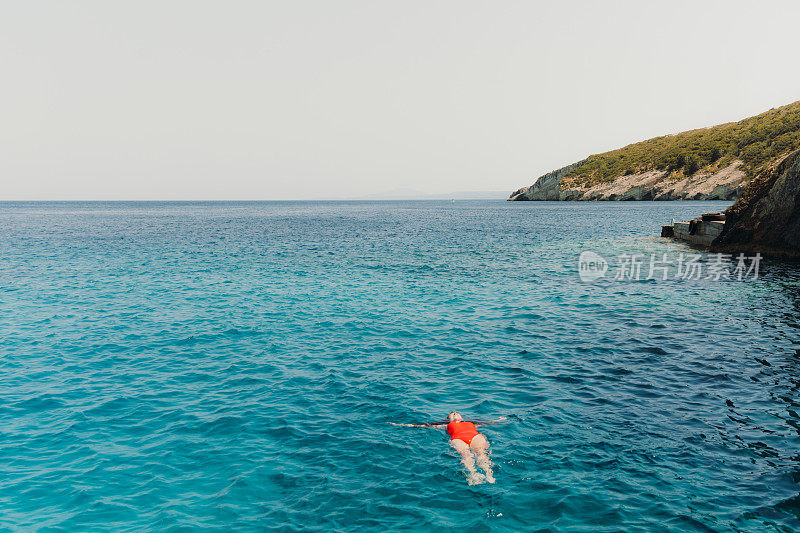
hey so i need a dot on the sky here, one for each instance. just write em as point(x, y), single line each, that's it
point(262, 100)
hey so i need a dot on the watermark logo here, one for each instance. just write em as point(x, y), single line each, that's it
point(638, 267)
point(591, 266)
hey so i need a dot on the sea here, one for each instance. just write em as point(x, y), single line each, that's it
point(237, 366)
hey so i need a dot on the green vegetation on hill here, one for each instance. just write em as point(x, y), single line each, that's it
point(757, 141)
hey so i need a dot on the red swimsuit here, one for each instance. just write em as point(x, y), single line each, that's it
point(465, 431)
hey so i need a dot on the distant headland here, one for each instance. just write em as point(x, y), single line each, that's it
point(714, 163)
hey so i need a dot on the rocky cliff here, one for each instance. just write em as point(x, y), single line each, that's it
point(722, 184)
point(766, 218)
point(548, 187)
point(713, 163)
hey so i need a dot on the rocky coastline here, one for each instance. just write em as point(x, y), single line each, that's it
point(713, 163)
point(724, 184)
point(766, 219)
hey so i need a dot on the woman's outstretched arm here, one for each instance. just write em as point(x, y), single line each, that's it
point(486, 422)
point(436, 425)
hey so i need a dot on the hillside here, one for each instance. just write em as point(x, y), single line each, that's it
point(709, 163)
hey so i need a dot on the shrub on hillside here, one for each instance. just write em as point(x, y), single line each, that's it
point(757, 141)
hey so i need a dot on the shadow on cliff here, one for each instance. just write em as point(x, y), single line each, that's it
point(766, 219)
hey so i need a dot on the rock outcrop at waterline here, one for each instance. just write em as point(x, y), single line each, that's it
point(548, 187)
point(724, 184)
point(766, 219)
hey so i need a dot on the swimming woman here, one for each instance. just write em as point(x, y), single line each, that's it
point(472, 446)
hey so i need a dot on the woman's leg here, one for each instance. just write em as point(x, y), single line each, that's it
point(480, 445)
point(467, 459)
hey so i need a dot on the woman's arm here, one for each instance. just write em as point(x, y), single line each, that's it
point(436, 425)
point(486, 422)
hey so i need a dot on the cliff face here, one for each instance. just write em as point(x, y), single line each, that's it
point(724, 184)
point(766, 218)
point(548, 187)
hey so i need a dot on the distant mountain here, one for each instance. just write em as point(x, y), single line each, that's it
point(410, 194)
point(713, 163)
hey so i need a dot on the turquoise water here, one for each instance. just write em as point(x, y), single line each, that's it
point(236, 366)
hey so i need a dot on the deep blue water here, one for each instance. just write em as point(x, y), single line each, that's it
point(235, 366)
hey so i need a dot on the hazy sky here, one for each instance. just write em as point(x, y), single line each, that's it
point(300, 99)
